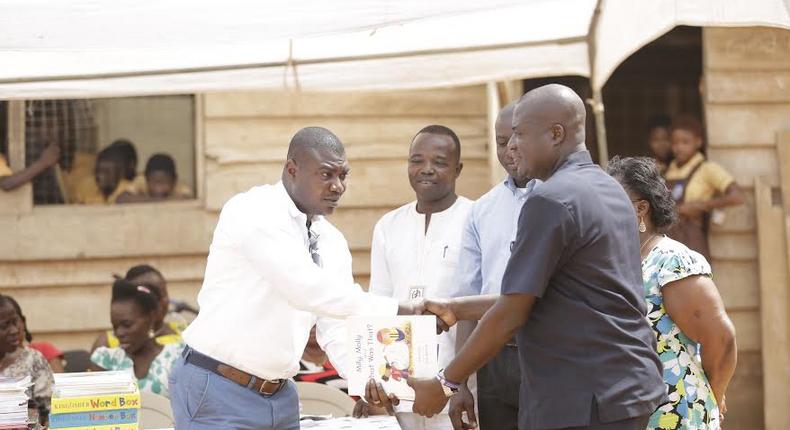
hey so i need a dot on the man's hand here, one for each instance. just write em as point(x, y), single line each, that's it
point(411, 307)
point(429, 398)
point(377, 397)
point(461, 402)
point(364, 409)
point(443, 310)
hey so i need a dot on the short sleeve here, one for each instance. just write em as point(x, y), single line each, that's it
point(106, 358)
point(680, 263)
point(469, 277)
point(545, 228)
point(4, 169)
point(717, 177)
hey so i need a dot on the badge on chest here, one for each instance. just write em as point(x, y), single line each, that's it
point(416, 292)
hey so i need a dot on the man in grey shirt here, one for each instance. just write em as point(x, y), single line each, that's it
point(489, 234)
point(572, 289)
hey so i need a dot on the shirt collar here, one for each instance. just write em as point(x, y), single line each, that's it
point(578, 158)
point(674, 169)
point(294, 211)
point(510, 184)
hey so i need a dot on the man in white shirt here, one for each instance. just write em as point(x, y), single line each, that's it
point(415, 247)
point(275, 268)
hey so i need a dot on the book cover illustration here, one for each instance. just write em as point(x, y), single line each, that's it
point(390, 350)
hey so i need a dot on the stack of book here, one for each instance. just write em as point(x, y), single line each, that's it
point(95, 401)
point(13, 403)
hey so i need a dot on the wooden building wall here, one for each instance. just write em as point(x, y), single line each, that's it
point(746, 102)
point(58, 261)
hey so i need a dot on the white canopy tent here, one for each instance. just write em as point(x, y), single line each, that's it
point(98, 48)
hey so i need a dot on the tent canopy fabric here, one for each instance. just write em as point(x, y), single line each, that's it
point(102, 48)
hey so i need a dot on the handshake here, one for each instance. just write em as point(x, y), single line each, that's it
point(442, 308)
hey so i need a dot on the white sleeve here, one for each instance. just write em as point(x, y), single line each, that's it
point(332, 336)
point(280, 256)
point(380, 279)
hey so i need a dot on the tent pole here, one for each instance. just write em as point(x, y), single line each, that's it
point(597, 98)
point(600, 128)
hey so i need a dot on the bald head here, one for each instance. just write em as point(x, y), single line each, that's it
point(504, 121)
point(310, 140)
point(548, 125)
point(554, 104)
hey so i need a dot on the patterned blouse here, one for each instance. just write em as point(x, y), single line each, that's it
point(691, 404)
point(26, 361)
point(156, 379)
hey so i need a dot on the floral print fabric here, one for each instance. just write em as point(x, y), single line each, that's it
point(691, 404)
point(156, 379)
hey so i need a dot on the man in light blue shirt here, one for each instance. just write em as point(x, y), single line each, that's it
point(485, 250)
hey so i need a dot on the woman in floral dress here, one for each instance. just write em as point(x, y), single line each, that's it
point(695, 338)
point(133, 314)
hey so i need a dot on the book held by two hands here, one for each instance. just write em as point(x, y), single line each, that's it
point(390, 350)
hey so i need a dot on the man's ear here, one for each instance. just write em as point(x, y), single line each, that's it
point(291, 168)
point(458, 169)
point(557, 134)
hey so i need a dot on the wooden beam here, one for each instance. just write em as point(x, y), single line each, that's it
point(19, 201)
point(772, 237)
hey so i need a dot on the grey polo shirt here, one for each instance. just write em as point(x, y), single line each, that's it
point(587, 340)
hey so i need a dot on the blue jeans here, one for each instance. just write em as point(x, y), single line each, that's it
point(203, 400)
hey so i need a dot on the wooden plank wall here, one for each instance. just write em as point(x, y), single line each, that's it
point(747, 101)
point(247, 137)
point(58, 261)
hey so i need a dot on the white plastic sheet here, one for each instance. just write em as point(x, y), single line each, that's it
point(94, 48)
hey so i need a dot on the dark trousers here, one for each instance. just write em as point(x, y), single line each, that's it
point(498, 385)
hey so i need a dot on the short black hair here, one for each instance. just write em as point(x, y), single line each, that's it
point(641, 176)
point(659, 121)
point(689, 123)
point(115, 155)
point(145, 297)
point(161, 163)
point(140, 270)
point(8, 300)
point(126, 147)
point(441, 130)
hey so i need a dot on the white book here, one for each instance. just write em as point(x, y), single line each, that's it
point(389, 350)
point(93, 383)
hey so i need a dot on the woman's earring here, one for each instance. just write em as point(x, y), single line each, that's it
point(151, 333)
point(642, 226)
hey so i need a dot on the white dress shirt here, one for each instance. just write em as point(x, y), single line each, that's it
point(488, 235)
point(262, 292)
point(406, 261)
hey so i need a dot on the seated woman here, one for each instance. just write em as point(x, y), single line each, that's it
point(18, 361)
point(168, 326)
point(683, 306)
point(51, 353)
point(161, 183)
point(697, 185)
point(133, 313)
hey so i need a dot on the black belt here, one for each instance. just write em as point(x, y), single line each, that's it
point(261, 386)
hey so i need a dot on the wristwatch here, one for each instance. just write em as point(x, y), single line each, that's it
point(450, 388)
